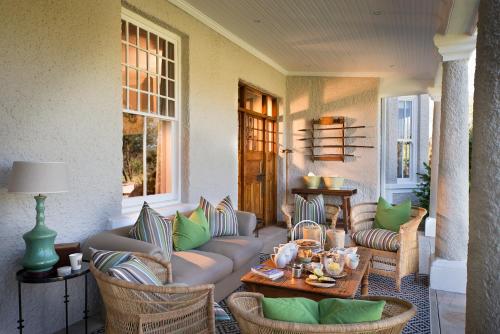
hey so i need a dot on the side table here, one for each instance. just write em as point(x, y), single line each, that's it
point(23, 276)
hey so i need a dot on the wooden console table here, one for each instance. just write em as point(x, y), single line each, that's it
point(344, 193)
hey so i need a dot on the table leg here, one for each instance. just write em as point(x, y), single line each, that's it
point(345, 212)
point(20, 321)
point(86, 311)
point(364, 282)
point(66, 301)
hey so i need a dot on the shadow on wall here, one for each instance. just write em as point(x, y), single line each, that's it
point(354, 98)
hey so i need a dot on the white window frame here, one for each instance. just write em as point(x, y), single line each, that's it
point(133, 204)
point(414, 139)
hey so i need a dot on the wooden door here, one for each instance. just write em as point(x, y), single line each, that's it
point(257, 155)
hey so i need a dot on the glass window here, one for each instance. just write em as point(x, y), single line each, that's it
point(150, 120)
point(404, 149)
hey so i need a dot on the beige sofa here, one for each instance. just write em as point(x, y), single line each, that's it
point(221, 261)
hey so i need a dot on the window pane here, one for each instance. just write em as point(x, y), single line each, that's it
point(124, 32)
point(132, 33)
point(158, 157)
point(153, 103)
point(143, 80)
point(132, 78)
point(124, 98)
point(144, 102)
point(163, 67)
point(171, 89)
point(153, 84)
point(406, 160)
point(152, 63)
point(124, 53)
point(132, 176)
point(143, 38)
point(132, 100)
point(163, 106)
point(162, 48)
point(171, 70)
point(153, 42)
point(132, 56)
point(124, 76)
point(171, 51)
point(143, 60)
point(171, 108)
point(163, 87)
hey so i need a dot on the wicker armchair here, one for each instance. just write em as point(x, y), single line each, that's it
point(331, 214)
point(246, 308)
point(137, 308)
point(391, 264)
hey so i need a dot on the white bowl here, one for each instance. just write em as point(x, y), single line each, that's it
point(333, 182)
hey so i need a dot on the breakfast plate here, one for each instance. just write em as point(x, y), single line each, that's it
point(319, 284)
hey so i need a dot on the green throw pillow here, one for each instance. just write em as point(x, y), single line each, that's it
point(190, 232)
point(390, 217)
point(299, 310)
point(349, 311)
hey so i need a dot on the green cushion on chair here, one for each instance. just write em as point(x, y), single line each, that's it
point(349, 311)
point(390, 217)
point(299, 310)
point(190, 232)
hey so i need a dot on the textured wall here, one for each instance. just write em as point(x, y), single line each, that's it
point(215, 66)
point(452, 221)
point(60, 101)
point(483, 294)
point(354, 98)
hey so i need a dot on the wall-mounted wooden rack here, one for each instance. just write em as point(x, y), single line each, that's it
point(340, 144)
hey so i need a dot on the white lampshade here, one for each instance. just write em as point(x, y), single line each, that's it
point(38, 177)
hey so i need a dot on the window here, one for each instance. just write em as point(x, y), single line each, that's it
point(405, 140)
point(150, 95)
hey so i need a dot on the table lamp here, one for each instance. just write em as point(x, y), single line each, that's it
point(39, 178)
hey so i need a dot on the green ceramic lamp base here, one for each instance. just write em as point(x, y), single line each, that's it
point(40, 254)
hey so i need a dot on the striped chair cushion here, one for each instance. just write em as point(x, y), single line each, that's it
point(377, 239)
point(153, 228)
point(313, 209)
point(135, 271)
point(222, 219)
point(104, 259)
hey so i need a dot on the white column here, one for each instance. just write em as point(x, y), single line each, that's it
point(448, 269)
point(483, 293)
point(430, 223)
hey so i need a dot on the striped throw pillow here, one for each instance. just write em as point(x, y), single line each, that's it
point(313, 209)
point(222, 219)
point(377, 238)
point(153, 228)
point(134, 271)
point(104, 259)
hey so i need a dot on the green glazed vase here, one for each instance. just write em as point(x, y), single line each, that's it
point(40, 254)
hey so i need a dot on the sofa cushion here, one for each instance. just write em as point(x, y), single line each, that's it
point(104, 259)
point(196, 267)
point(222, 218)
point(153, 228)
point(376, 238)
point(239, 249)
point(135, 271)
point(391, 217)
point(190, 232)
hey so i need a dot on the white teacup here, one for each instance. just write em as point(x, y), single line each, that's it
point(76, 261)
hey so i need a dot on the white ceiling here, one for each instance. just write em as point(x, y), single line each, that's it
point(336, 36)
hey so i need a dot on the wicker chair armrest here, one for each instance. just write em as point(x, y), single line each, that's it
point(160, 267)
point(412, 225)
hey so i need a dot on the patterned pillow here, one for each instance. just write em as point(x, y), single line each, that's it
point(153, 228)
point(222, 219)
point(220, 313)
point(104, 259)
point(377, 239)
point(134, 271)
point(314, 209)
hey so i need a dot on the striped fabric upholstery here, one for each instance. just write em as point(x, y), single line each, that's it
point(220, 314)
point(134, 271)
point(103, 259)
point(153, 228)
point(377, 239)
point(222, 219)
point(313, 209)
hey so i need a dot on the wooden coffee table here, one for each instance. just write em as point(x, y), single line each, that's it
point(287, 286)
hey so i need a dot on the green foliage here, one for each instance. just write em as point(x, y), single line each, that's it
point(423, 190)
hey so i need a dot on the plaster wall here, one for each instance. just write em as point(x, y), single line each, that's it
point(60, 62)
point(60, 101)
point(354, 98)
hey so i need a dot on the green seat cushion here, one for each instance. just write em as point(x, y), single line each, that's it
point(349, 311)
point(390, 217)
point(299, 310)
point(190, 232)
